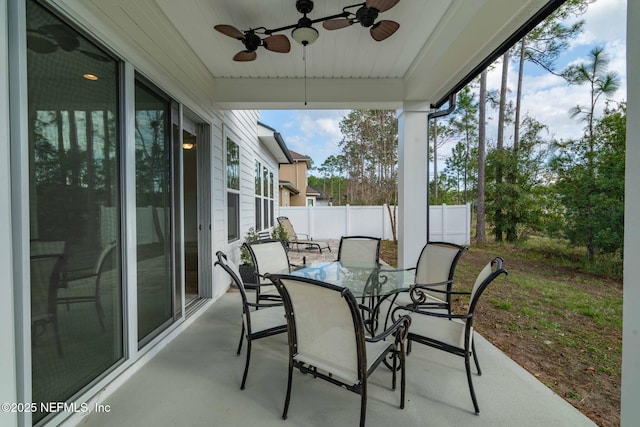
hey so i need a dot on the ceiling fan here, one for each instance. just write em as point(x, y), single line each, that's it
point(366, 16)
point(304, 32)
point(252, 41)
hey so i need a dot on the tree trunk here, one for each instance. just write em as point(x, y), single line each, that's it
point(500, 145)
point(481, 236)
point(516, 124)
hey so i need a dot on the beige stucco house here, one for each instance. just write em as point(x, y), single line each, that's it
point(293, 186)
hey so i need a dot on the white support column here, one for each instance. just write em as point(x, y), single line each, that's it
point(630, 410)
point(412, 182)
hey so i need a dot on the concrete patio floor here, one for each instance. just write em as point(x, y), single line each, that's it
point(195, 381)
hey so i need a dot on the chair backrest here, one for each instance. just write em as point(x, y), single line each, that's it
point(232, 270)
point(490, 271)
point(437, 262)
point(45, 277)
point(285, 223)
point(359, 251)
point(325, 326)
point(269, 256)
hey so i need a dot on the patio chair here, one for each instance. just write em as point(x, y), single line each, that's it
point(434, 276)
point(75, 278)
point(268, 256)
point(298, 239)
point(452, 333)
point(45, 280)
point(256, 324)
point(359, 251)
point(327, 338)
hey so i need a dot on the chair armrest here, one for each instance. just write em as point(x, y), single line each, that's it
point(263, 305)
point(401, 325)
point(417, 310)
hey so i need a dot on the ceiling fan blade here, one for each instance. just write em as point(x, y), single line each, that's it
point(336, 24)
point(66, 39)
point(381, 5)
point(278, 43)
point(383, 29)
point(245, 56)
point(40, 44)
point(230, 31)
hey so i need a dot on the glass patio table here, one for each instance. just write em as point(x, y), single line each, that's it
point(371, 286)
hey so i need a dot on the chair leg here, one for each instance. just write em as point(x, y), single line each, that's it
point(288, 395)
point(467, 366)
point(475, 357)
point(241, 338)
point(363, 402)
point(246, 364)
point(403, 362)
point(100, 312)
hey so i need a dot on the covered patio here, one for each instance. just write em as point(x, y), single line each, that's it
point(195, 381)
point(189, 374)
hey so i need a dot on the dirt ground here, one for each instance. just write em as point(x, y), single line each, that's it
point(569, 372)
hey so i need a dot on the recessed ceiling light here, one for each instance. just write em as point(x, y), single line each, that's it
point(89, 76)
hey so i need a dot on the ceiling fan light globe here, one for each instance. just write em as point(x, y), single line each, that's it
point(305, 35)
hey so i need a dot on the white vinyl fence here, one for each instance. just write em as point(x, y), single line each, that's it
point(447, 223)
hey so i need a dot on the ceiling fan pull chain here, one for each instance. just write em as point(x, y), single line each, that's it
point(304, 59)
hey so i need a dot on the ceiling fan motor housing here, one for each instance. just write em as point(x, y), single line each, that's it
point(251, 41)
point(304, 6)
point(366, 16)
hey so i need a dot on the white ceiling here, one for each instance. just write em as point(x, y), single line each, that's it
point(439, 42)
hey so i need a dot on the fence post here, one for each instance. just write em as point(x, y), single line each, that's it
point(310, 221)
point(468, 230)
point(444, 223)
point(347, 220)
point(384, 221)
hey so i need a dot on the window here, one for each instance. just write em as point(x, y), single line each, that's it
point(271, 197)
point(263, 197)
point(258, 199)
point(265, 201)
point(233, 190)
point(74, 197)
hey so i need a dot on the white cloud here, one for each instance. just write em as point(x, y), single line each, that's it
point(605, 21)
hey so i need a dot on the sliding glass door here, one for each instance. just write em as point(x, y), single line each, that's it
point(74, 198)
point(153, 211)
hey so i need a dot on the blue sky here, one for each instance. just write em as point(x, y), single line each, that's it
point(316, 133)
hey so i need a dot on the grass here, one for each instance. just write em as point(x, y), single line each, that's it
point(556, 315)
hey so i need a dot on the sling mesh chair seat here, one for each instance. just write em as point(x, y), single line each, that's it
point(452, 333)
point(327, 338)
point(298, 239)
point(434, 276)
point(256, 324)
